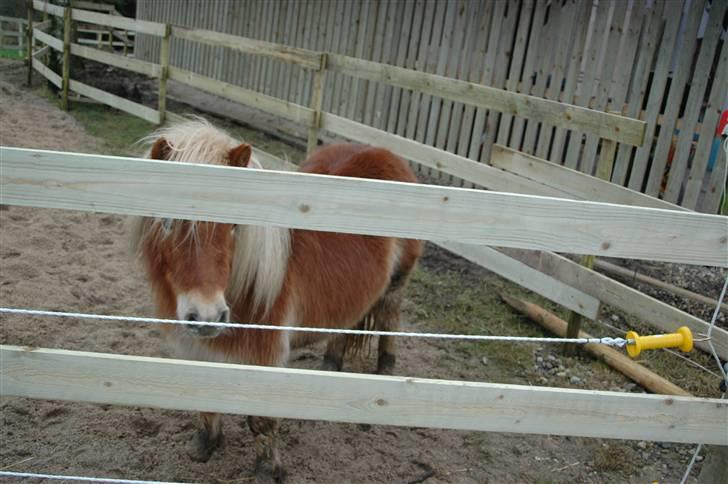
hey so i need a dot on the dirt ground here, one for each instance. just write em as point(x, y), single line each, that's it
point(63, 260)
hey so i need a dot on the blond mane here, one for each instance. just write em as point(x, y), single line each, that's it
point(260, 255)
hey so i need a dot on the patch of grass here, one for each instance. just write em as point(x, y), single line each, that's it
point(119, 130)
point(612, 458)
point(12, 54)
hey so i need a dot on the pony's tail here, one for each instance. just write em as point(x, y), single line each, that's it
point(359, 346)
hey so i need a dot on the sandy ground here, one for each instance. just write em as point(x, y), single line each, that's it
point(63, 260)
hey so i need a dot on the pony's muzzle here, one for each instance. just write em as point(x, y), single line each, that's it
point(191, 309)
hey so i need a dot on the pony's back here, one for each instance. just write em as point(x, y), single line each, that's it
point(358, 161)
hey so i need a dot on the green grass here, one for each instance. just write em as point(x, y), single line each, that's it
point(117, 129)
point(12, 54)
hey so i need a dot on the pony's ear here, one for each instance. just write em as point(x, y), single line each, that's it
point(160, 150)
point(240, 155)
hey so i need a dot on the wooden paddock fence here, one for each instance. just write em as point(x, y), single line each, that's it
point(661, 61)
point(557, 278)
point(105, 184)
point(13, 33)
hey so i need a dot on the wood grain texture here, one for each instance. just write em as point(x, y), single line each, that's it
point(527, 277)
point(123, 23)
point(348, 397)
point(115, 101)
point(605, 125)
point(128, 63)
point(573, 182)
point(304, 57)
point(613, 357)
point(202, 192)
point(47, 73)
point(269, 104)
point(648, 309)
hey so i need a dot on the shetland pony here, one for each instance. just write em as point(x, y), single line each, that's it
point(205, 271)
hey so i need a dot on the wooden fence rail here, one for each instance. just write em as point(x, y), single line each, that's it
point(349, 397)
point(111, 184)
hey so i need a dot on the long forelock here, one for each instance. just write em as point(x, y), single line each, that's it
point(196, 141)
point(193, 141)
point(260, 262)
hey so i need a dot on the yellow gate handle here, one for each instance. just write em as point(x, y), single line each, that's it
point(683, 340)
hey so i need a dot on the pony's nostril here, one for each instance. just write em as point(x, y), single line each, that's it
point(193, 317)
point(224, 316)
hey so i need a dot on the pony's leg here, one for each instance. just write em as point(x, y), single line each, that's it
point(267, 457)
point(334, 356)
point(387, 314)
point(208, 437)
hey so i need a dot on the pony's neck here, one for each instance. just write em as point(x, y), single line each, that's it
point(260, 262)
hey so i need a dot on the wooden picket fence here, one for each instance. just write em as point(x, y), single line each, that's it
point(660, 61)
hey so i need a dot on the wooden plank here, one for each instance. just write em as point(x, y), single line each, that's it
point(114, 101)
point(66, 66)
point(586, 88)
point(535, 43)
point(408, 24)
point(123, 23)
point(450, 163)
point(519, 58)
point(429, 66)
point(47, 73)
point(465, 66)
point(605, 86)
point(527, 277)
point(638, 88)
point(383, 43)
point(475, 75)
point(555, 34)
point(278, 107)
point(573, 182)
point(615, 358)
point(697, 89)
point(303, 57)
point(499, 76)
point(47, 7)
point(605, 125)
point(716, 184)
point(129, 63)
point(101, 7)
point(678, 84)
point(416, 97)
point(48, 39)
point(353, 397)
point(660, 76)
point(572, 77)
point(476, 138)
point(371, 207)
point(444, 52)
point(647, 309)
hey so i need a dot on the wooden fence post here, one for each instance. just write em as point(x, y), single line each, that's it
point(317, 97)
point(29, 33)
point(163, 73)
point(66, 57)
point(604, 172)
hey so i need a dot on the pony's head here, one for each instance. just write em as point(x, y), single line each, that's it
point(190, 263)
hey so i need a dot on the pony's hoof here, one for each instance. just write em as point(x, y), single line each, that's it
point(266, 472)
point(202, 446)
point(385, 364)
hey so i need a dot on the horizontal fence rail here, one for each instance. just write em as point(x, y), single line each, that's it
point(156, 188)
point(605, 125)
point(347, 397)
